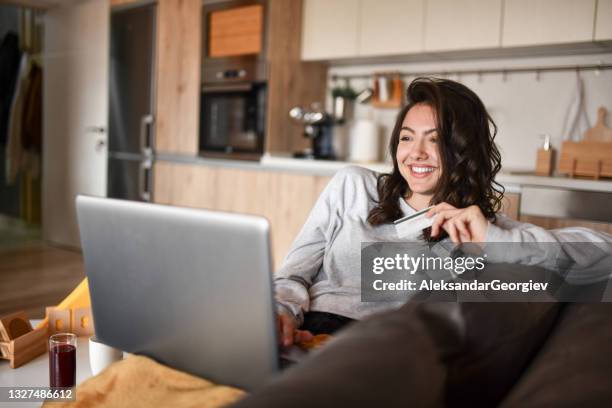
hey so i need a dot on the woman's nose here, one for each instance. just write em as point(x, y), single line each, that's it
point(417, 152)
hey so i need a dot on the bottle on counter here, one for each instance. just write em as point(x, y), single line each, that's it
point(545, 157)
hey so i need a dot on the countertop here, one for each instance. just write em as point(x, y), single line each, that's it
point(511, 180)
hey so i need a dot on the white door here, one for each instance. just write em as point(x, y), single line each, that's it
point(75, 111)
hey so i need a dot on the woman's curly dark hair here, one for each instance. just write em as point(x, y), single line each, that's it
point(470, 159)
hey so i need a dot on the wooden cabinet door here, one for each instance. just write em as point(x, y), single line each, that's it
point(237, 31)
point(179, 47)
point(330, 29)
point(390, 27)
point(535, 22)
point(462, 24)
point(603, 20)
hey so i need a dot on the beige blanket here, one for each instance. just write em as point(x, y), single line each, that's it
point(141, 382)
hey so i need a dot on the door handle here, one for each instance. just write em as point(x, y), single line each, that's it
point(100, 145)
point(144, 179)
point(146, 140)
point(95, 129)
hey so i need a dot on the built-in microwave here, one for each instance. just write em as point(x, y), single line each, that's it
point(234, 79)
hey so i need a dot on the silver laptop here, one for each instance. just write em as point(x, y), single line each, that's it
point(190, 288)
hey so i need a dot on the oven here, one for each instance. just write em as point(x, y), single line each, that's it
point(234, 79)
point(232, 120)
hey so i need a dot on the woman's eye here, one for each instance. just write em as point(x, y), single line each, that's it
point(405, 138)
point(434, 140)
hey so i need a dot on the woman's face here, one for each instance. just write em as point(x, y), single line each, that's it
point(418, 155)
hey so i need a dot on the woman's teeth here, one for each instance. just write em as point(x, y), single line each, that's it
point(422, 169)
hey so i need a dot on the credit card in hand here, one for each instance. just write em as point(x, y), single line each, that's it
point(412, 225)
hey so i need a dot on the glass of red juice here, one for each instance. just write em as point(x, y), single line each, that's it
point(62, 360)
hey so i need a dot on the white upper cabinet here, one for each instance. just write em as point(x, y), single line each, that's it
point(330, 29)
point(603, 21)
point(537, 22)
point(462, 24)
point(391, 27)
point(334, 29)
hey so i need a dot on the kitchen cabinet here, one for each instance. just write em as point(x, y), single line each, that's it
point(177, 83)
point(603, 20)
point(537, 22)
point(555, 223)
point(553, 208)
point(178, 59)
point(366, 28)
point(284, 198)
point(510, 205)
point(390, 27)
point(291, 82)
point(118, 3)
point(330, 29)
point(462, 24)
point(237, 31)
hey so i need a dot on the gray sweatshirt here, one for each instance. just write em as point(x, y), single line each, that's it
point(322, 270)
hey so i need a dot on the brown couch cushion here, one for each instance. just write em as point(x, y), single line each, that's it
point(574, 367)
point(500, 339)
point(387, 361)
point(423, 354)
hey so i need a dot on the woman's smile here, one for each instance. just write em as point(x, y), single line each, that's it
point(421, 171)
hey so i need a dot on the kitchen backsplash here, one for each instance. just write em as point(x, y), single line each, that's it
point(523, 105)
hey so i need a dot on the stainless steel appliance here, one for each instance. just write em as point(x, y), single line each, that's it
point(234, 91)
point(131, 103)
point(318, 127)
point(232, 120)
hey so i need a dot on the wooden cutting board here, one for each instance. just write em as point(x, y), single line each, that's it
point(600, 132)
point(586, 158)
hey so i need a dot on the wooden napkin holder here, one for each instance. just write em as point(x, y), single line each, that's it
point(19, 342)
point(72, 320)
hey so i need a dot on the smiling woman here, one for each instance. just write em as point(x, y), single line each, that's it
point(444, 155)
point(444, 152)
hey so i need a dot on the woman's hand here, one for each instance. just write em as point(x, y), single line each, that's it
point(288, 334)
point(461, 224)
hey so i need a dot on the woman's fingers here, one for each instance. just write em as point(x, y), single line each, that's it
point(464, 233)
point(286, 330)
point(461, 224)
point(289, 334)
point(440, 207)
point(454, 223)
point(301, 336)
point(441, 218)
point(451, 228)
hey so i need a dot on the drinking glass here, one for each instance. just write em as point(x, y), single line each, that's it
point(62, 360)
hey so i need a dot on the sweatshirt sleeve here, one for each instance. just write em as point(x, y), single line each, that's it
point(305, 257)
point(584, 255)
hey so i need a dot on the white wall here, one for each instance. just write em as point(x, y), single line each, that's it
point(521, 106)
